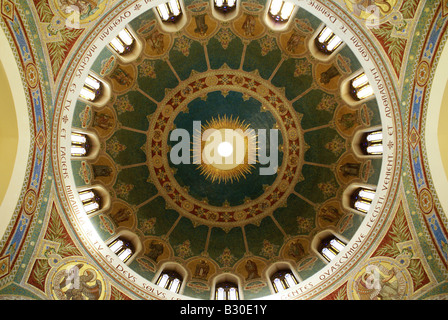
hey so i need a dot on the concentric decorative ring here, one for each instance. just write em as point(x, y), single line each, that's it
point(250, 85)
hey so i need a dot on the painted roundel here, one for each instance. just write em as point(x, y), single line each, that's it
point(77, 280)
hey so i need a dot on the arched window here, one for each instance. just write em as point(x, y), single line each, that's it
point(80, 145)
point(170, 280)
point(282, 280)
point(170, 11)
point(360, 87)
point(122, 248)
point(226, 291)
point(123, 43)
point(330, 247)
point(90, 200)
point(361, 199)
point(225, 5)
point(92, 88)
point(327, 41)
point(372, 143)
point(280, 10)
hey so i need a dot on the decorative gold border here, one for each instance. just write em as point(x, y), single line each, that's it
point(249, 84)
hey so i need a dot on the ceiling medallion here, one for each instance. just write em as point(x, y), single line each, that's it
point(226, 150)
point(179, 185)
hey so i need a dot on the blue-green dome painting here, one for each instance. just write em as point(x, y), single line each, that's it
point(259, 82)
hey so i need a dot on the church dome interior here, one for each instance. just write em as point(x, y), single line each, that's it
point(223, 150)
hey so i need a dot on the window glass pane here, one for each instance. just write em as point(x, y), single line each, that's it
point(275, 7)
point(175, 285)
point(364, 92)
point(360, 81)
point(125, 254)
point(226, 291)
point(163, 280)
point(362, 206)
point(91, 207)
point(233, 295)
point(116, 44)
point(375, 149)
point(163, 11)
point(290, 280)
point(225, 4)
point(375, 136)
point(86, 195)
point(278, 285)
point(287, 9)
point(325, 35)
point(92, 82)
point(126, 37)
point(220, 294)
point(78, 138)
point(175, 7)
point(78, 151)
point(327, 253)
point(116, 246)
point(367, 194)
point(87, 94)
point(334, 43)
point(337, 245)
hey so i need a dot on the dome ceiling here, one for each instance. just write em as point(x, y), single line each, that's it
point(226, 75)
point(140, 209)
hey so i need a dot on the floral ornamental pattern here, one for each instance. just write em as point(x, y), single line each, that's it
point(329, 189)
point(304, 225)
point(337, 145)
point(146, 69)
point(328, 103)
point(85, 117)
point(269, 249)
point(182, 45)
point(148, 225)
point(225, 36)
point(122, 189)
point(114, 147)
point(267, 44)
point(303, 67)
point(226, 259)
point(184, 250)
point(123, 105)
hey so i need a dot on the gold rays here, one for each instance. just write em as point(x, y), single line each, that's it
point(230, 168)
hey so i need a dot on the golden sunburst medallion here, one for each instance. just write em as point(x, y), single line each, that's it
point(225, 149)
